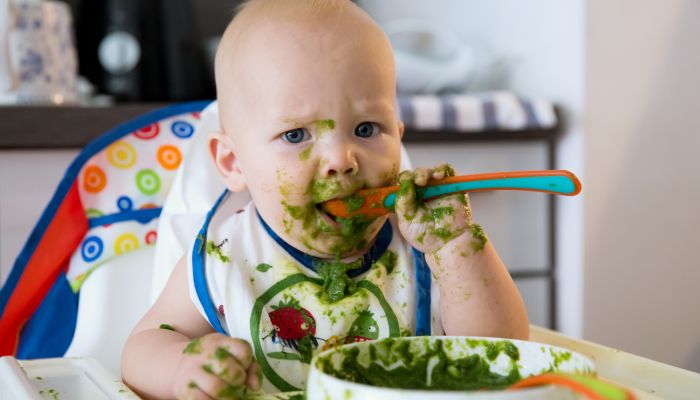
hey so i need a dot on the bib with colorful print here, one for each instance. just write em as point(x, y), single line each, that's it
point(251, 285)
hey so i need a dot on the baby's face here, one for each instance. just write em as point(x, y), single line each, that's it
point(319, 122)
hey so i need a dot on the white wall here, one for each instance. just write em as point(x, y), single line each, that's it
point(541, 43)
point(626, 74)
point(642, 209)
point(27, 181)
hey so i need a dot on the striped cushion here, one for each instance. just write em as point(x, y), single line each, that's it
point(475, 113)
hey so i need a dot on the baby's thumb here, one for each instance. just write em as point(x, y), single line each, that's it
point(406, 203)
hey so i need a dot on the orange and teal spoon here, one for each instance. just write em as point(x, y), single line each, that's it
point(380, 201)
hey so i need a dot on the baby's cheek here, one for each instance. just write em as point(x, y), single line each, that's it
point(383, 175)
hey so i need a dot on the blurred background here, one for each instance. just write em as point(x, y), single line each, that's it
point(616, 265)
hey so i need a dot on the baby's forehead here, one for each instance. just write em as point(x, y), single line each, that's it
point(300, 23)
point(273, 39)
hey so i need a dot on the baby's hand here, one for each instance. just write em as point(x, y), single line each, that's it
point(428, 226)
point(218, 367)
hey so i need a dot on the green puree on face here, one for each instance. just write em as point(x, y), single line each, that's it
point(410, 370)
point(354, 203)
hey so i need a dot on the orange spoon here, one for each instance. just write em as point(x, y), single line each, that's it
point(380, 201)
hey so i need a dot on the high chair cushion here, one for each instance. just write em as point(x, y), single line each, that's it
point(106, 206)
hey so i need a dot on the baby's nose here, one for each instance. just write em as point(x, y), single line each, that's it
point(339, 162)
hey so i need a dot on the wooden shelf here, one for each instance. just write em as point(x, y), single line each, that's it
point(45, 127)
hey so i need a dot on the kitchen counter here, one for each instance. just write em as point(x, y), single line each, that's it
point(83, 378)
point(648, 379)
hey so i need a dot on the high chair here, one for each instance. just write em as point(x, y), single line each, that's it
point(92, 265)
point(83, 278)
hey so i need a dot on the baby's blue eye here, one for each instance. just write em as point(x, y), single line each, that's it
point(297, 135)
point(366, 129)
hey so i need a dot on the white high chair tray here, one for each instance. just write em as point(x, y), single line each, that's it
point(59, 379)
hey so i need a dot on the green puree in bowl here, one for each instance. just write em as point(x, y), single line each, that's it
point(428, 370)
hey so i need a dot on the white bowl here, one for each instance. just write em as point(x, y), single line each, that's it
point(329, 381)
point(429, 59)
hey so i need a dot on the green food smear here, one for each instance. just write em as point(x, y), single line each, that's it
point(387, 260)
point(352, 230)
point(305, 346)
point(304, 155)
point(323, 189)
point(166, 327)
point(263, 267)
point(221, 353)
point(409, 369)
point(443, 233)
point(478, 233)
point(232, 392)
point(215, 250)
point(493, 349)
point(449, 171)
point(193, 347)
point(437, 214)
point(559, 357)
point(336, 282)
point(405, 186)
point(323, 125)
point(350, 236)
point(354, 203)
point(208, 369)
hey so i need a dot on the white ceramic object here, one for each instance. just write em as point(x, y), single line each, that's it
point(428, 59)
point(38, 60)
point(59, 378)
point(535, 358)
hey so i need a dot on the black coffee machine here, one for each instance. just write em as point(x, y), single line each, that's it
point(146, 50)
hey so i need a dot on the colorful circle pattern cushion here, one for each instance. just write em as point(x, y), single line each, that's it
point(122, 189)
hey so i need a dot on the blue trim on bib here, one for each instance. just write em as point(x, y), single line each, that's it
point(381, 244)
point(422, 293)
point(198, 273)
point(143, 216)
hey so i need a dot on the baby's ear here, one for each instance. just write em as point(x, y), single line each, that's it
point(401, 129)
point(222, 152)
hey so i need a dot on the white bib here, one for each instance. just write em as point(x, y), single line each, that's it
point(250, 284)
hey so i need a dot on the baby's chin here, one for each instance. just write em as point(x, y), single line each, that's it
point(350, 239)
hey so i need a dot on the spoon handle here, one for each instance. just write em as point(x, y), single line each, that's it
point(547, 181)
point(380, 201)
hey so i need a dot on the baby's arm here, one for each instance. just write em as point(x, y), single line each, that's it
point(477, 295)
point(173, 352)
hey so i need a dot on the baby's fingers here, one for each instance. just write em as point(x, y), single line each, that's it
point(421, 176)
point(239, 349)
point(442, 171)
point(254, 379)
point(226, 367)
point(406, 203)
point(201, 386)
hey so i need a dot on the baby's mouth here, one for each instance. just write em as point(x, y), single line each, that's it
point(329, 219)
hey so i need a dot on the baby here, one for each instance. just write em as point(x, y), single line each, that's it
point(306, 92)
